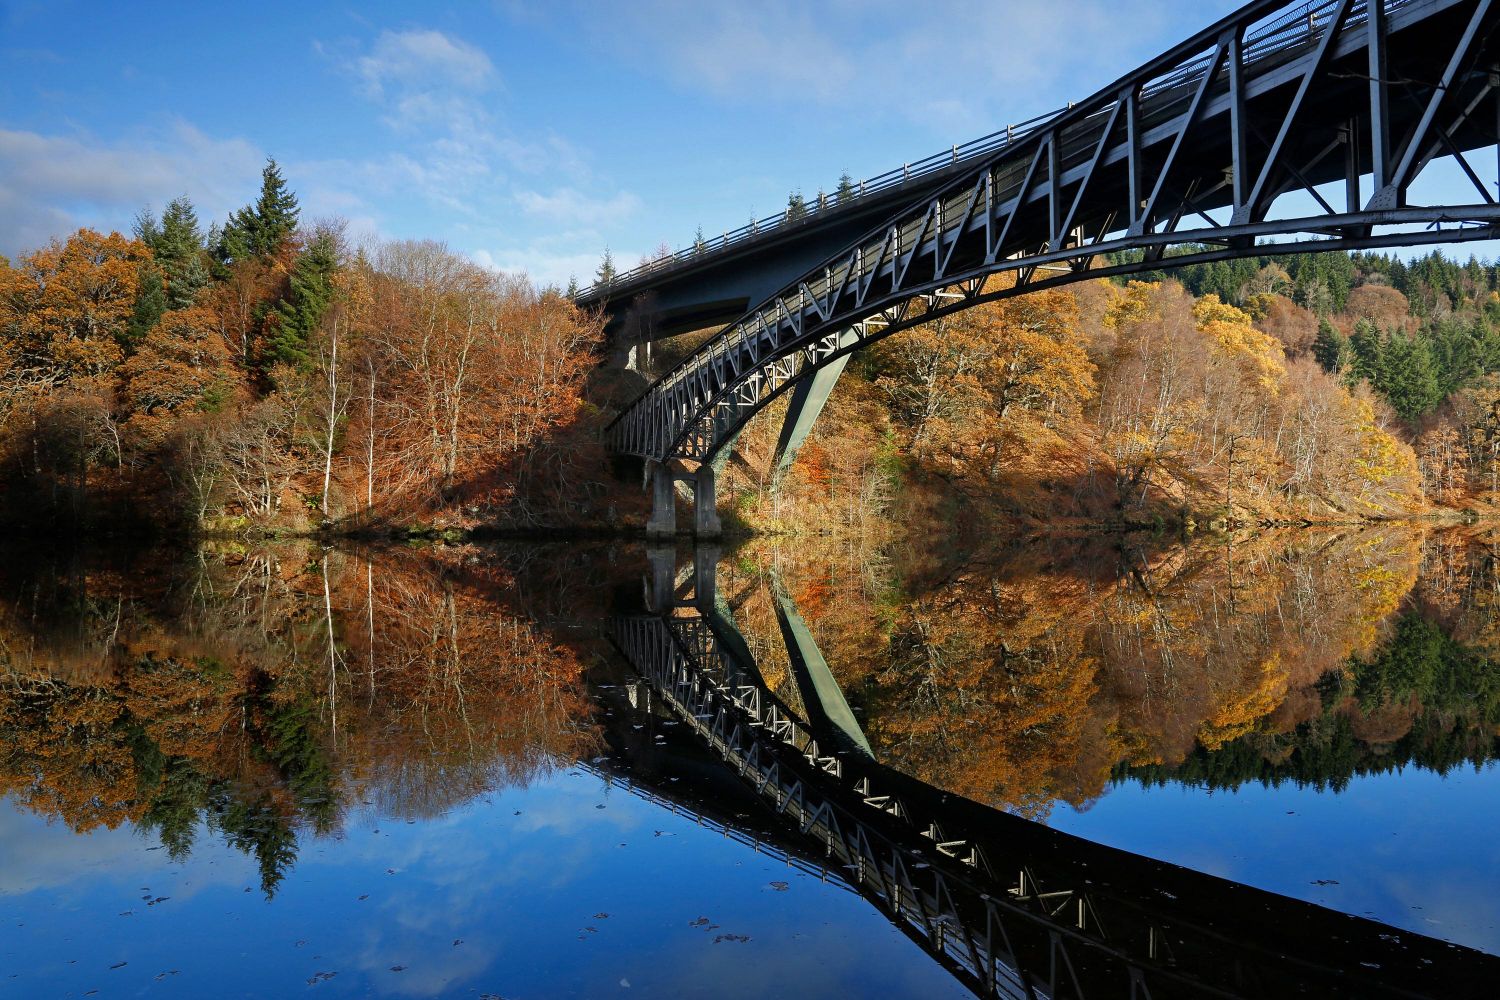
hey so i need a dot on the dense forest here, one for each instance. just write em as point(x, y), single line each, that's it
point(268, 375)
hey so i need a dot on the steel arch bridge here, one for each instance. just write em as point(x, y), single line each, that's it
point(1225, 146)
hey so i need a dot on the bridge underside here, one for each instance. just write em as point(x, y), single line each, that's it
point(1285, 128)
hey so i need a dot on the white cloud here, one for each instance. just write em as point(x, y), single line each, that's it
point(423, 60)
point(569, 206)
point(427, 82)
point(543, 264)
point(52, 184)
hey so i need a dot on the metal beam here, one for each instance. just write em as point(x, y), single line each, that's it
point(821, 693)
point(808, 397)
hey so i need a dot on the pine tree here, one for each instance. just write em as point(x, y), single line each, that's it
point(1408, 379)
point(150, 303)
point(796, 208)
point(572, 291)
point(1331, 348)
point(258, 230)
point(1368, 350)
point(699, 244)
point(845, 191)
point(298, 315)
point(177, 246)
point(605, 275)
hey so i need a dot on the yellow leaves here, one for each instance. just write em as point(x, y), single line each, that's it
point(1256, 357)
point(1132, 304)
point(1209, 309)
point(68, 305)
point(1385, 466)
point(1000, 379)
point(1240, 710)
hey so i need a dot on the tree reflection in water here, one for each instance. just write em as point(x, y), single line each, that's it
point(259, 696)
point(1042, 672)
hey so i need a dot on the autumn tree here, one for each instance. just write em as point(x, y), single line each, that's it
point(181, 368)
point(70, 305)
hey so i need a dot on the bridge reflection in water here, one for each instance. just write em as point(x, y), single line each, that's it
point(1010, 907)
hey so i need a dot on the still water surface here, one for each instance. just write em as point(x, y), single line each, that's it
point(257, 773)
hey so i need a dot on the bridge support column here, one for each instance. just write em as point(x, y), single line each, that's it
point(821, 694)
point(631, 355)
point(808, 398)
point(706, 522)
point(663, 523)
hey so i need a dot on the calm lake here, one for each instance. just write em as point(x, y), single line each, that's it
point(1250, 767)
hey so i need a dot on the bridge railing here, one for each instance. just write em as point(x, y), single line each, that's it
point(1283, 33)
point(820, 207)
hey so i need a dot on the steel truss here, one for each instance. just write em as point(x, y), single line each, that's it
point(1003, 924)
point(923, 882)
point(1277, 98)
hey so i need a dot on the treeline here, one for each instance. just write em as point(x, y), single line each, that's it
point(268, 374)
point(1423, 700)
point(1422, 333)
point(1133, 405)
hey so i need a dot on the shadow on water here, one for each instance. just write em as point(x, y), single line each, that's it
point(894, 731)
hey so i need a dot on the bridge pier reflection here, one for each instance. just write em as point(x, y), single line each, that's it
point(1010, 907)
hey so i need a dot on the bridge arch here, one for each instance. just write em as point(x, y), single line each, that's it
point(1189, 153)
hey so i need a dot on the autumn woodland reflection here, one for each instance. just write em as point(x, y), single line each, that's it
point(262, 695)
point(1045, 671)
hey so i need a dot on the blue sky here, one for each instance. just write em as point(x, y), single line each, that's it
point(527, 135)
